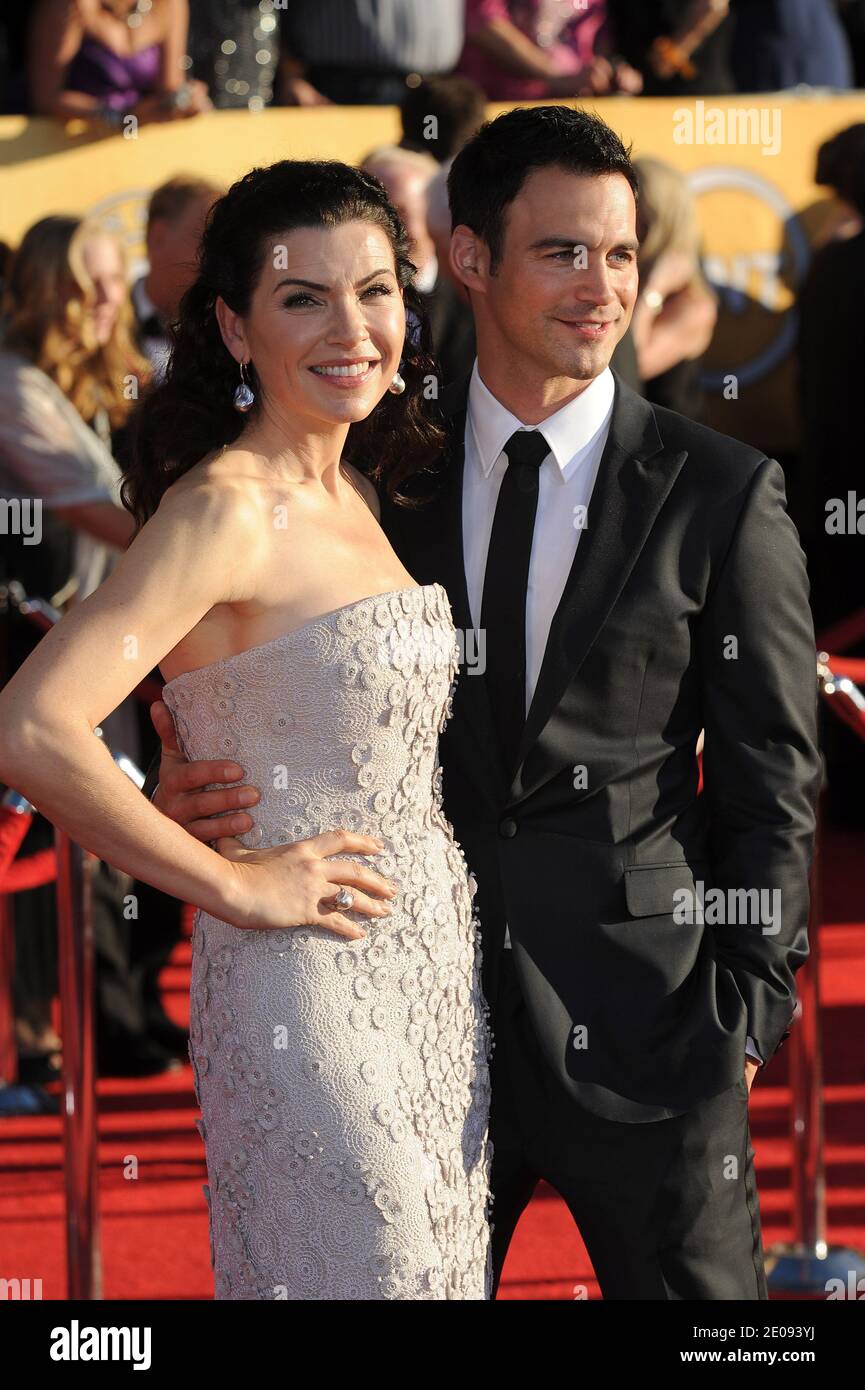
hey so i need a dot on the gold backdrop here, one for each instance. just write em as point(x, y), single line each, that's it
point(750, 161)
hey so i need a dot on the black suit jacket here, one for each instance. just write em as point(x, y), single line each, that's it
point(686, 607)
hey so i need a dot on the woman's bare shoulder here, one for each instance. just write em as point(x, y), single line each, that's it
point(219, 504)
point(366, 487)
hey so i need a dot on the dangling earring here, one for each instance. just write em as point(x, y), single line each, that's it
point(244, 399)
point(397, 386)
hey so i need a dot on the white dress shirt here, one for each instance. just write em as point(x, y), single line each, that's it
point(577, 436)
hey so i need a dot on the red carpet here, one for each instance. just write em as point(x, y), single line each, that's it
point(153, 1213)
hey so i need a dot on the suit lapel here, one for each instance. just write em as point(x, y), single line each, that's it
point(634, 477)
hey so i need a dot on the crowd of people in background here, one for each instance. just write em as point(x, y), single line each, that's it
point(74, 328)
point(164, 60)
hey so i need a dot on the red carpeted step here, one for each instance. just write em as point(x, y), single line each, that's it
point(153, 1211)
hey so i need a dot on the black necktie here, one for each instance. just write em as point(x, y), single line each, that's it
point(503, 609)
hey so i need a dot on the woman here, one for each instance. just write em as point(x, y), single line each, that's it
point(69, 373)
point(339, 1034)
point(675, 315)
point(682, 47)
point(107, 60)
point(66, 364)
point(531, 50)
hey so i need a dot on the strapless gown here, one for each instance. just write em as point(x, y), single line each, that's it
point(344, 1085)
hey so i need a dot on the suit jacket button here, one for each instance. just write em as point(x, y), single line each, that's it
point(508, 828)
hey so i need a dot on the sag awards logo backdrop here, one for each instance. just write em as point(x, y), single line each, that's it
point(749, 161)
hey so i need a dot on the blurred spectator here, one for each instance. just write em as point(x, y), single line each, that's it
point(682, 47)
point(440, 114)
point(67, 359)
point(529, 50)
point(676, 311)
point(175, 220)
point(406, 174)
point(234, 49)
point(365, 52)
point(839, 162)
point(831, 351)
point(66, 363)
point(14, 22)
point(176, 215)
point(781, 43)
point(5, 266)
point(69, 374)
point(852, 13)
point(107, 60)
point(451, 318)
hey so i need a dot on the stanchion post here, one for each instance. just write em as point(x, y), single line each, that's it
point(75, 952)
point(809, 1265)
point(806, 1077)
point(8, 1046)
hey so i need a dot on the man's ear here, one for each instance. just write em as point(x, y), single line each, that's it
point(469, 259)
point(232, 330)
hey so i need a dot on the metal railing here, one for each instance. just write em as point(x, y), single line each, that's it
point(74, 870)
point(804, 1266)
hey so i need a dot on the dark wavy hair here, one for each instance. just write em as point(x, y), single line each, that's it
point(191, 412)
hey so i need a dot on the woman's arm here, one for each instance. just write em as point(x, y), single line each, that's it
point(701, 20)
point(50, 455)
point(200, 549)
point(513, 51)
point(181, 564)
point(101, 520)
point(680, 332)
point(174, 45)
point(56, 34)
point(55, 37)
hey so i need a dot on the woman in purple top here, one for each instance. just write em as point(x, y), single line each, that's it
point(529, 50)
point(111, 59)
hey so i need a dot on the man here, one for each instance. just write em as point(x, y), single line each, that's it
point(623, 579)
point(409, 176)
point(175, 220)
point(365, 52)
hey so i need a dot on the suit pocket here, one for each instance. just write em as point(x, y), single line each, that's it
point(655, 890)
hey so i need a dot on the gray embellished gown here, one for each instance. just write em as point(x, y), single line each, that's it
point(344, 1085)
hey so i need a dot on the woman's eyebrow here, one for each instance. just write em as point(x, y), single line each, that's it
point(313, 285)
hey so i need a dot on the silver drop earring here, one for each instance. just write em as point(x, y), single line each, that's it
point(244, 397)
point(397, 386)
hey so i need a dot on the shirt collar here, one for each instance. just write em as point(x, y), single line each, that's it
point(569, 431)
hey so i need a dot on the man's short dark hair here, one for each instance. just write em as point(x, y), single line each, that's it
point(492, 167)
point(458, 105)
point(170, 200)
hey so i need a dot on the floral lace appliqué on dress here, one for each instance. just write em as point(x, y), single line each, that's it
point(344, 1085)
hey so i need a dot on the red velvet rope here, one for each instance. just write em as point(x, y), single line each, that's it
point(844, 633)
point(851, 667)
point(32, 872)
point(18, 874)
